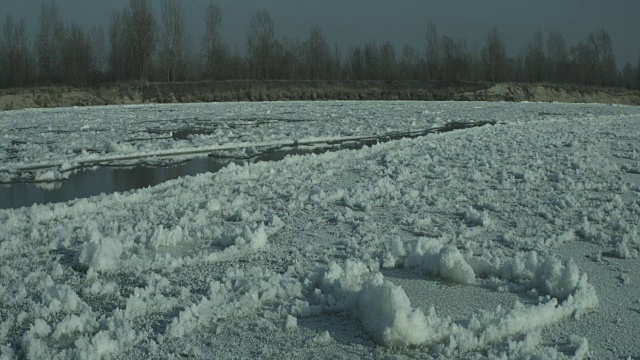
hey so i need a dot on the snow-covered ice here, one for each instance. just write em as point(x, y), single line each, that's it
point(517, 240)
point(48, 144)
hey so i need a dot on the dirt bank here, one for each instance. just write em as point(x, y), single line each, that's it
point(139, 93)
point(557, 93)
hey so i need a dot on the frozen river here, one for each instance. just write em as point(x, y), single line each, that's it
point(513, 240)
point(92, 178)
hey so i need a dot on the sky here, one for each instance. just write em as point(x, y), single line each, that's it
point(356, 22)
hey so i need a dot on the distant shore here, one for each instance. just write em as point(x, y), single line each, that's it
point(251, 90)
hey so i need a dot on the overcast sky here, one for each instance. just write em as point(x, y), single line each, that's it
point(353, 22)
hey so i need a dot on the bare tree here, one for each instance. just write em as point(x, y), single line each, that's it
point(49, 42)
point(140, 39)
point(318, 56)
point(97, 49)
point(336, 63)
point(494, 56)
point(602, 47)
point(214, 50)
point(371, 61)
point(519, 69)
point(118, 51)
point(476, 71)
point(289, 54)
point(260, 45)
point(237, 66)
point(76, 56)
point(456, 62)
point(15, 57)
point(409, 63)
point(173, 50)
point(534, 59)
point(434, 52)
point(638, 74)
point(558, 57)
point(388, 62)
point(593, 61)
point(628, 77)
point(583, 64)
point(3, 61)
point(72, 55)
point(356, 64)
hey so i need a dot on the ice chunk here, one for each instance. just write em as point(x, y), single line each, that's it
point(256, 239)
point(291, 323)
point(162, 237)
point(41, 328)
point(383, 308)
point(99, 346)
point(556, 278)
point(74, 325)
point(476, 218)
point(34, 347)
point(386, 314)
point(323, 339)
point(622, 251)
point(101, 254)
point(120, 147)
point(49, 175)
point(66, 166)
point(447, 262)
point(62, 298)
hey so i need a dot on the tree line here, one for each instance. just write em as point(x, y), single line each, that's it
point(138, 46)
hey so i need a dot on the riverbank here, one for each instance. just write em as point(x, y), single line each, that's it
point(229, 91)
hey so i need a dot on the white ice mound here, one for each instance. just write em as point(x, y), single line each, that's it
point(239, 293)
point(549, 276)
point(386, 313)
point(436, 259)
point(101, 253)
point(622, 250)
point(257, 238)
point(383, 308)
point(50, 175)
point(254, 238)
point(62, 298)
point(163, 237)
point(475, 218)
point(556, 278)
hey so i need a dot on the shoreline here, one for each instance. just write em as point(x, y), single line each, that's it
point(275, 90)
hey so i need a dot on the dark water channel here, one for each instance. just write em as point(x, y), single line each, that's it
point(106, 179)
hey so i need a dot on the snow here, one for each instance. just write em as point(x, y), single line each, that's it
point(444, 261)
point(517, 240)
point(100, 253)
point(292, 323)
point(48, 144)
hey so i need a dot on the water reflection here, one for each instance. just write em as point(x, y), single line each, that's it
point(102, 180)
point(107, 180)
